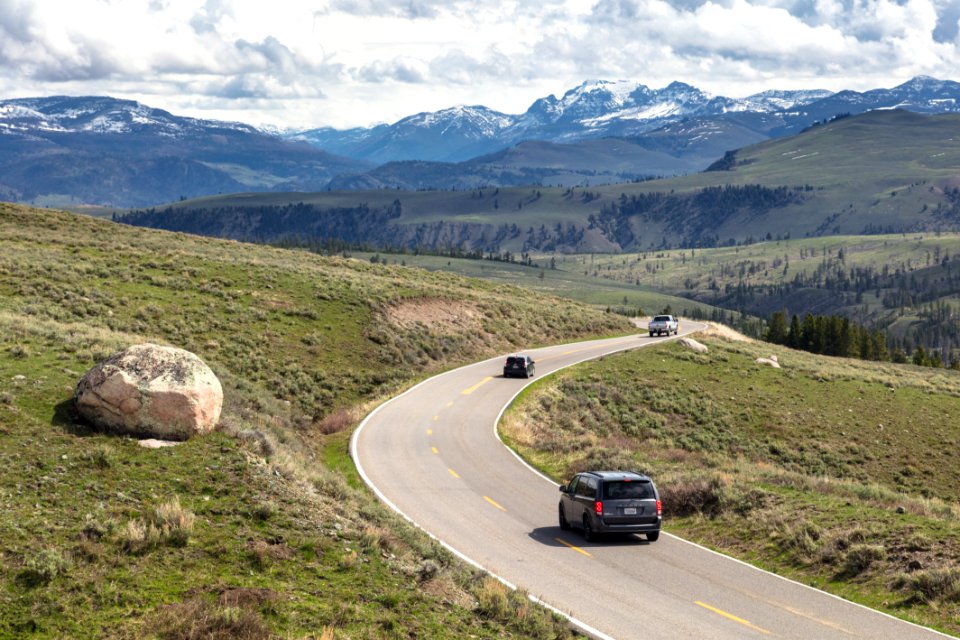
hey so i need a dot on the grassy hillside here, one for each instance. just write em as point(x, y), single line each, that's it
point(575, 277)
point(889, 171)
point(258, 530)
point(838, 473)
point(906, 284)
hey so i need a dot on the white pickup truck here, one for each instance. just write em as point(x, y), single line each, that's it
point(663, 325)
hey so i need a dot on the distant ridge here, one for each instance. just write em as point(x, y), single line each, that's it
point(64, 151)
point(99, 150)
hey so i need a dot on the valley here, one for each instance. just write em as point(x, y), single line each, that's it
point(318, 283)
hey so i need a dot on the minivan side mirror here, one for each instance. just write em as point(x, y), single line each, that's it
point(563, 488)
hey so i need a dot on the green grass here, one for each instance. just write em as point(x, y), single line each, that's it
point(582, 278)
point(835, 472)
point(713, 276)
point(261, 529)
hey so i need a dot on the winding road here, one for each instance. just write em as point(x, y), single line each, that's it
point(433, 455)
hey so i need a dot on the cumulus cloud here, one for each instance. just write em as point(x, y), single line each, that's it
point(401, 69)
point(206, 19)
point(410, 9)
point(434, 53)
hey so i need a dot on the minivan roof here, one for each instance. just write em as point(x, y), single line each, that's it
point(618, 475)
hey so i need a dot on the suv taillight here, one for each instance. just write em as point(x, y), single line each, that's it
point(598, 508)
point(659, 508)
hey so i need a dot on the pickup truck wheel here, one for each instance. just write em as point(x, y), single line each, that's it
point(651, 334)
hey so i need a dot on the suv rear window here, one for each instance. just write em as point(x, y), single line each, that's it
point(634, 490)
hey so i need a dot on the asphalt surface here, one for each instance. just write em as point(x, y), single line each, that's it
point(433, 455)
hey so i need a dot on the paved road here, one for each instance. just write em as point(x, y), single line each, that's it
point(433, 455)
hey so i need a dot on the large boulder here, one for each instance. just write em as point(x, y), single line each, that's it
point(151, 391)
point(771, 361)
point(690, 343)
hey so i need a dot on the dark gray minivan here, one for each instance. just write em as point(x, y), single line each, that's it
point(611, 501)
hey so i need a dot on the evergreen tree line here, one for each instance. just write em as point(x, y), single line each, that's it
point(827, 335)
point(839, 336)
point(691, 216)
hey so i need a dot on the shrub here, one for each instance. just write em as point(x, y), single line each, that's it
point(805, 540)
point(198, 619)
point(44, 566)
point(100, 458)
point(138, 536)
point(687, 497)
point(19, 351)
point(860, 556)
point(940, 584)
point(336, 422)
point(265, 510)
point(606, 459)
point(493, 601)
point(174, 522)
point(169, 523)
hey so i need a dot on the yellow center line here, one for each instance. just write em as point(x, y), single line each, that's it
point(450, 404)
point(434, 449)
point(435, 418)
point(429, 432)
point(801, 614)
point(467, 392)
point(453, 473)
point(491, 501)
point(567, 544)
point(730, 616)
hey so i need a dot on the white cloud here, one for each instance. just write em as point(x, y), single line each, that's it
point(347, 62)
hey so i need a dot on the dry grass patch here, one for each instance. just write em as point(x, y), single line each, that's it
point(201, 619)
point(436, 314)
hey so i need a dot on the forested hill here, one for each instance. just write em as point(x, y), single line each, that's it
point(889, 172)
point(619, 225)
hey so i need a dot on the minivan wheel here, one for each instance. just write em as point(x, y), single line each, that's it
point(588, 534)
point(564, 525)
point(653, 536)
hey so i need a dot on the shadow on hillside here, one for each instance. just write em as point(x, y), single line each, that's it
point(66, 417)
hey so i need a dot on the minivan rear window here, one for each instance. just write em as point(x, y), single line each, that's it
point(634, 490)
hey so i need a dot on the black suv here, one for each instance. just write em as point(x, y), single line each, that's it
point(611, 501)
point(518, 366)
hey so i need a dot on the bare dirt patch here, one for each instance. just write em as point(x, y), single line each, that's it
point(725, 332)
point(443, 316)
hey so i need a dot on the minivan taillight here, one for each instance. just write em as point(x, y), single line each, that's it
point(659, 508)
point(598, 507)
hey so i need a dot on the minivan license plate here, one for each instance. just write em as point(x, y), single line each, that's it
point(629, 511)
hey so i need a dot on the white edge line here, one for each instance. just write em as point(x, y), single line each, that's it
point(383, 498)
point(496, 432)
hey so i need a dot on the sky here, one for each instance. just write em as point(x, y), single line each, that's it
point(344, 63)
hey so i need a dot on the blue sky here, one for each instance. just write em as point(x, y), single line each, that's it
point(300, 63)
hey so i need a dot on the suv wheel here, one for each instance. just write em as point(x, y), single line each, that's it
point(653, 536)
point(588, 533)
point(564, 525)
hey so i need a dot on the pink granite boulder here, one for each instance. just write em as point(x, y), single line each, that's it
point(151, 391)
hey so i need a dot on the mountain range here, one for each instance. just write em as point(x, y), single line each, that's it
point(602, 109)
point(99, 150)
